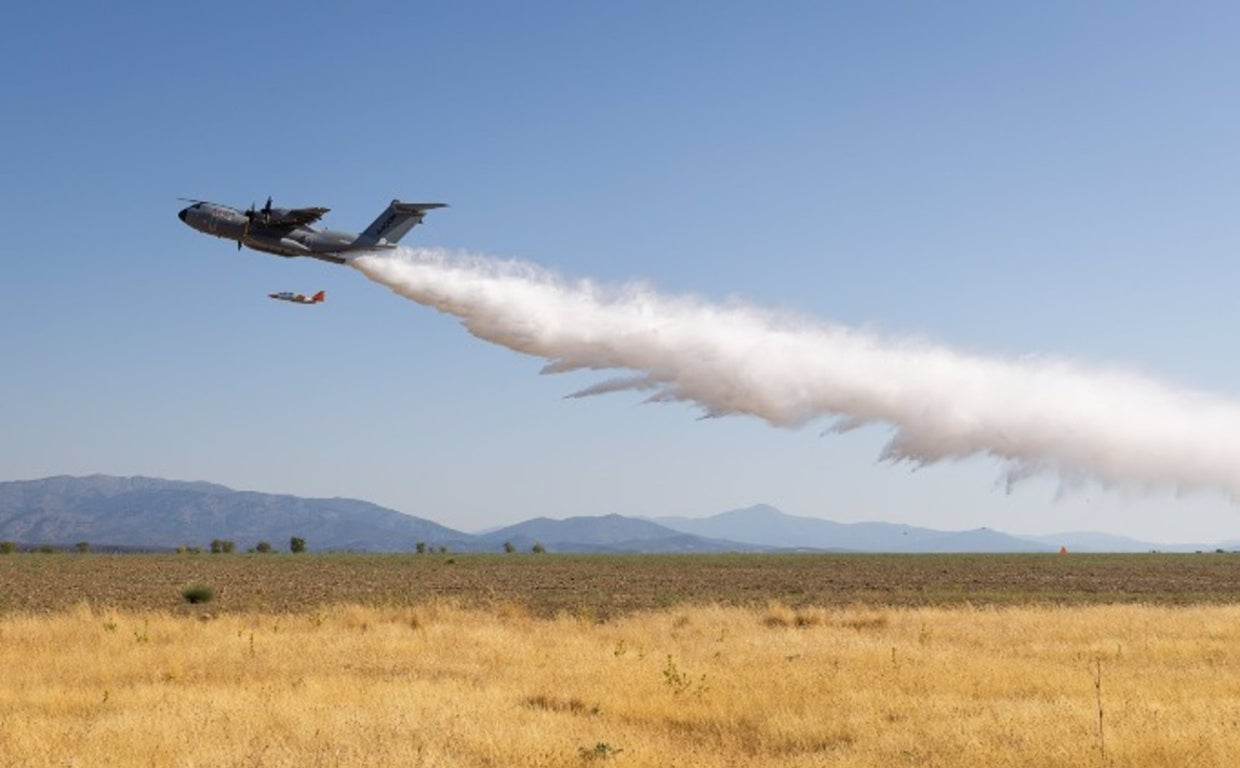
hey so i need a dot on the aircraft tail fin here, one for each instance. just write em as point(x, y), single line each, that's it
point(395, 222)
point(320, 296)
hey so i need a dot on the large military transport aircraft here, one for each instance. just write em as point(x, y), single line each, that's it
point(287, 231)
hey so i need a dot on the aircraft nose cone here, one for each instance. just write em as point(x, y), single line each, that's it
point(182, 214)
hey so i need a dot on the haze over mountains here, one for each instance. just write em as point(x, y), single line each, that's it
point(150, 513)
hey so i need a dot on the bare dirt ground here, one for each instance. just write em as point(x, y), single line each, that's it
point(606, 586)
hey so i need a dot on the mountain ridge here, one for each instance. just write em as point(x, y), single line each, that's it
point(151, 513)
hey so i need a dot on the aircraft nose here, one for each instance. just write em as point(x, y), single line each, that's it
point(182, 214)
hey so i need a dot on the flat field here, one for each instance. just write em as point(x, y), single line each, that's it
point(606, 586)
point(525, 660)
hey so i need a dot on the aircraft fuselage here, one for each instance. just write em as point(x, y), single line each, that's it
point(284, 231)
point(231, 224)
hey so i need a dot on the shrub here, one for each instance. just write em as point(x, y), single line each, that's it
point(8, 547)
point(538, 548)
point(263, 546)
point(600, 751)
point(509, 547)
point(197, 593)
point(297, 544)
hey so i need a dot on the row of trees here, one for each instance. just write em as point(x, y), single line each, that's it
point(218, 546)
point(421, 548)
point(296, 544)
point(9, 547)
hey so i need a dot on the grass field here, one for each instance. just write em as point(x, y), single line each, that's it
point(523, 660)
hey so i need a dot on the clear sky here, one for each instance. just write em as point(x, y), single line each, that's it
point(1048, 178)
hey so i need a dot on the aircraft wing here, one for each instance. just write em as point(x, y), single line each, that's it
point(296, 217)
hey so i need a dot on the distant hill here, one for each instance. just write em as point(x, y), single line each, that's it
point(765, 525)
point(148, 513)
point(160, 514)
point(609, 533)
point(1092, 541)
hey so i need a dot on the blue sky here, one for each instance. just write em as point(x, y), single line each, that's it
point(1057, 178)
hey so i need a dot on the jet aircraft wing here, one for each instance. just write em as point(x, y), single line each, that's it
point(296, 217)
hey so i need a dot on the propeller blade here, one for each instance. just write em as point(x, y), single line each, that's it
point(245, 231)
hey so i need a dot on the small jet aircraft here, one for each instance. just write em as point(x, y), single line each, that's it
point(287, 231)
point(299, 298)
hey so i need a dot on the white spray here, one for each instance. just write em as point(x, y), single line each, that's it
point(1036, 414)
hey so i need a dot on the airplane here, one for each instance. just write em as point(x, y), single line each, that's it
point(287, 231)
point(299, 298)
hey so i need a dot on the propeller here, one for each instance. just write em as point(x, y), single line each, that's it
point(251, 214)
point(249, 219)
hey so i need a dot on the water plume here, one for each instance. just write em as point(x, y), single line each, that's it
point(1035, 414)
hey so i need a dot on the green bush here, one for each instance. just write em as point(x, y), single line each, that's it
point(197, 593)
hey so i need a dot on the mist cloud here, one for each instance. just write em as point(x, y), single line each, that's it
point(1035, 414)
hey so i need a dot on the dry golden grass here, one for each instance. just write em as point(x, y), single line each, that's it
point(442, 685)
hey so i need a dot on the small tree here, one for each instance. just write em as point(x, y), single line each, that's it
point(296, 544)
point(420, 547)
point(222, 546)
point(82, 547)
point(263, 547)
point(509, 547)
point(538, 548)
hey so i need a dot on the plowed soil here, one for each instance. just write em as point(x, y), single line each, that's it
point(603, 586)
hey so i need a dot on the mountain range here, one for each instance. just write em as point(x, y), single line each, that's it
point(152, 514)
